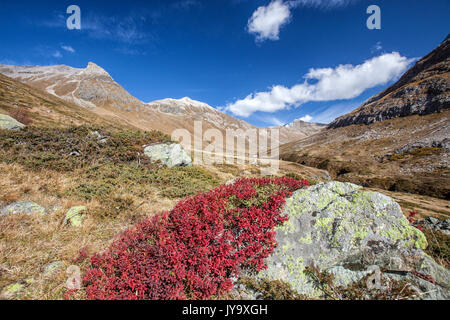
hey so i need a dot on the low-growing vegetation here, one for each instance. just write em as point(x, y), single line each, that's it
point(359, 290)
point(272, 289)
point(191, 251)
point(438, 246)
point(67, 149)
point(107, 166)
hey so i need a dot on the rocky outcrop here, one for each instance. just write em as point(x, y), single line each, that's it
point(8, 123)
point(339, 228)
point(424, 89)
point(170, 154)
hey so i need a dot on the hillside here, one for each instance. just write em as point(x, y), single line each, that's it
point(398, 140)
point(44, 109)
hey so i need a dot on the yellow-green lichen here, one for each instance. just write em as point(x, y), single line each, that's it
point(410, 236)
point(324, 224)
point(306, 240)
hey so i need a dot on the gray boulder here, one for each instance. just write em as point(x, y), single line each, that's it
point(340, 228)
point(171, 154)
point(8, 123)
point(27, 207)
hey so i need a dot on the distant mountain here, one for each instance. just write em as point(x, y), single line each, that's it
point(299, 129)
point(398, 140)
point(424, 89)
point(93, 88)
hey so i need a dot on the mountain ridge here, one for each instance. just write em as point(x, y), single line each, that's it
point(94, 88)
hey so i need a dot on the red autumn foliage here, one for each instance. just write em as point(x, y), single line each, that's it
point(83, 254)
point(411, 218)
point(192, 251)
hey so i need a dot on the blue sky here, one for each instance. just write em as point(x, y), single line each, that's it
point(246, 57)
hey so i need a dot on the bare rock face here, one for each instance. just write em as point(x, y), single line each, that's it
point(424, 89)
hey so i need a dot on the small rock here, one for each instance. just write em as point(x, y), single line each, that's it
point(436, 224)
point(75, 216)
point(99, 136)
point(23, 207)
point(8, 123)
point(432, 220)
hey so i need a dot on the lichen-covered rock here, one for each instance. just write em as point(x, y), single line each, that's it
point(171, 154)
point(8, 123)
point(27, 207)
point(74, 216)
point(337, 224)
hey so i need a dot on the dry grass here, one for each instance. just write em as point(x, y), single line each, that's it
point(30, 242)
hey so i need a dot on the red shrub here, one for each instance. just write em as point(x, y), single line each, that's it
point(83, 254)
point(192, 251)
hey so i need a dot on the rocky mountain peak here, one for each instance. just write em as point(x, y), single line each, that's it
point(94, 69)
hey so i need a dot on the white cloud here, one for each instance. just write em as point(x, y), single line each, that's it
point(57, 54)
point(306, 118)
point(266, 22)
point(377, 47)
point(340, 83)
point(68, 49)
